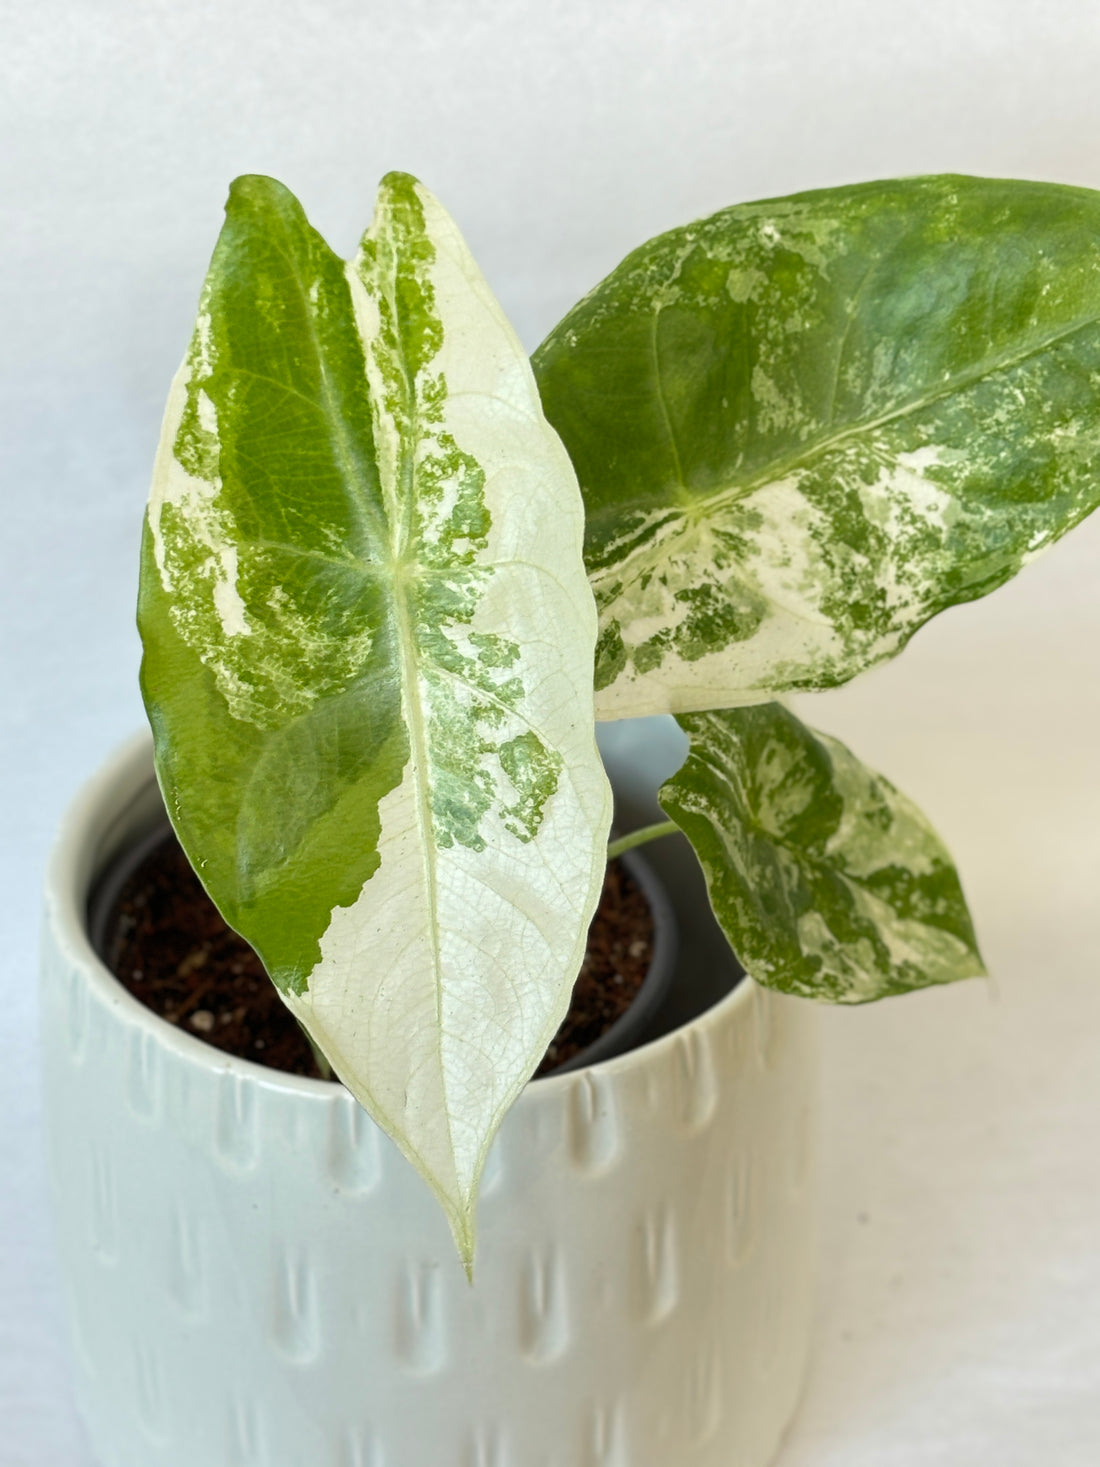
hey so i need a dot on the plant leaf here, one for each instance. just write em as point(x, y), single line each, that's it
point(826, 880)
point(803, 427)
point(368, 663)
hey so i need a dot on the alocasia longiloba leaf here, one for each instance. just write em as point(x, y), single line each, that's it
point(826, 880)
point(802, 427)
point(368, 662)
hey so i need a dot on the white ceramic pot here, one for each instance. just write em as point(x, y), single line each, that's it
point(256, 1278)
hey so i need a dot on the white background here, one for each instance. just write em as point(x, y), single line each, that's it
point(960, 1297)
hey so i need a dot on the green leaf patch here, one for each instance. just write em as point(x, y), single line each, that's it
point(804, 426)
point(826, 880)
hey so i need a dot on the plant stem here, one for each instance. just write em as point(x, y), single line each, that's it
point(322, 1063)
point(641, 837)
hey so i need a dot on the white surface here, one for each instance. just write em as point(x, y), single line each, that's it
point(960, 1321)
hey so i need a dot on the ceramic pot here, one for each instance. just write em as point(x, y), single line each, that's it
point(256, 1278)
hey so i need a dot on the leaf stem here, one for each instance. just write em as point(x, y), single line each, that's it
point(640, 837)
point(318, 1054)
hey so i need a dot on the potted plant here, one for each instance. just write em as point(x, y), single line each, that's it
point(374, 604)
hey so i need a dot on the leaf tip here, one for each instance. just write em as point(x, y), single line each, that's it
point(257, 188)
point(465, 1237)
point(399, 185)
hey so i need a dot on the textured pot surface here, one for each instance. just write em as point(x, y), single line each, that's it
point(256, 1278)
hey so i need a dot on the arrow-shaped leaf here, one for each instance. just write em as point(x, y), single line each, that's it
point(368, 662)
point(803, 427)
point(826, 880)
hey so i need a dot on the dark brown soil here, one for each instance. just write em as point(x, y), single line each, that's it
point(620, 946)
point(167, 944)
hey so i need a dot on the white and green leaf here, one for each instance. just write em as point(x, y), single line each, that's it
point(368, 663)
point(803, 427)
point(826, 880)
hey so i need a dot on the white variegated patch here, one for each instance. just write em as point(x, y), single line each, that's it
point(772, 548)
point(200, 518)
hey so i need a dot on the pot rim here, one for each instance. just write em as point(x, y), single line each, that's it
point(103, 799)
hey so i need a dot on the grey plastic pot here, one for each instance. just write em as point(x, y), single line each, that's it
point(256, 1278)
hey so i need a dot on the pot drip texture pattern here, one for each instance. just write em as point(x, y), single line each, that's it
point(256, 1278)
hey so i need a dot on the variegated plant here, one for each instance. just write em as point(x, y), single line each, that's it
point(800, 428)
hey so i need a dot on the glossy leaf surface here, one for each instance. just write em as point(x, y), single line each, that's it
point(802, 427)
point(826, 880)
point(368, 662)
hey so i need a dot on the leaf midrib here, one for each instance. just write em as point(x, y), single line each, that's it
point(419, 744)
point(713, 502)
